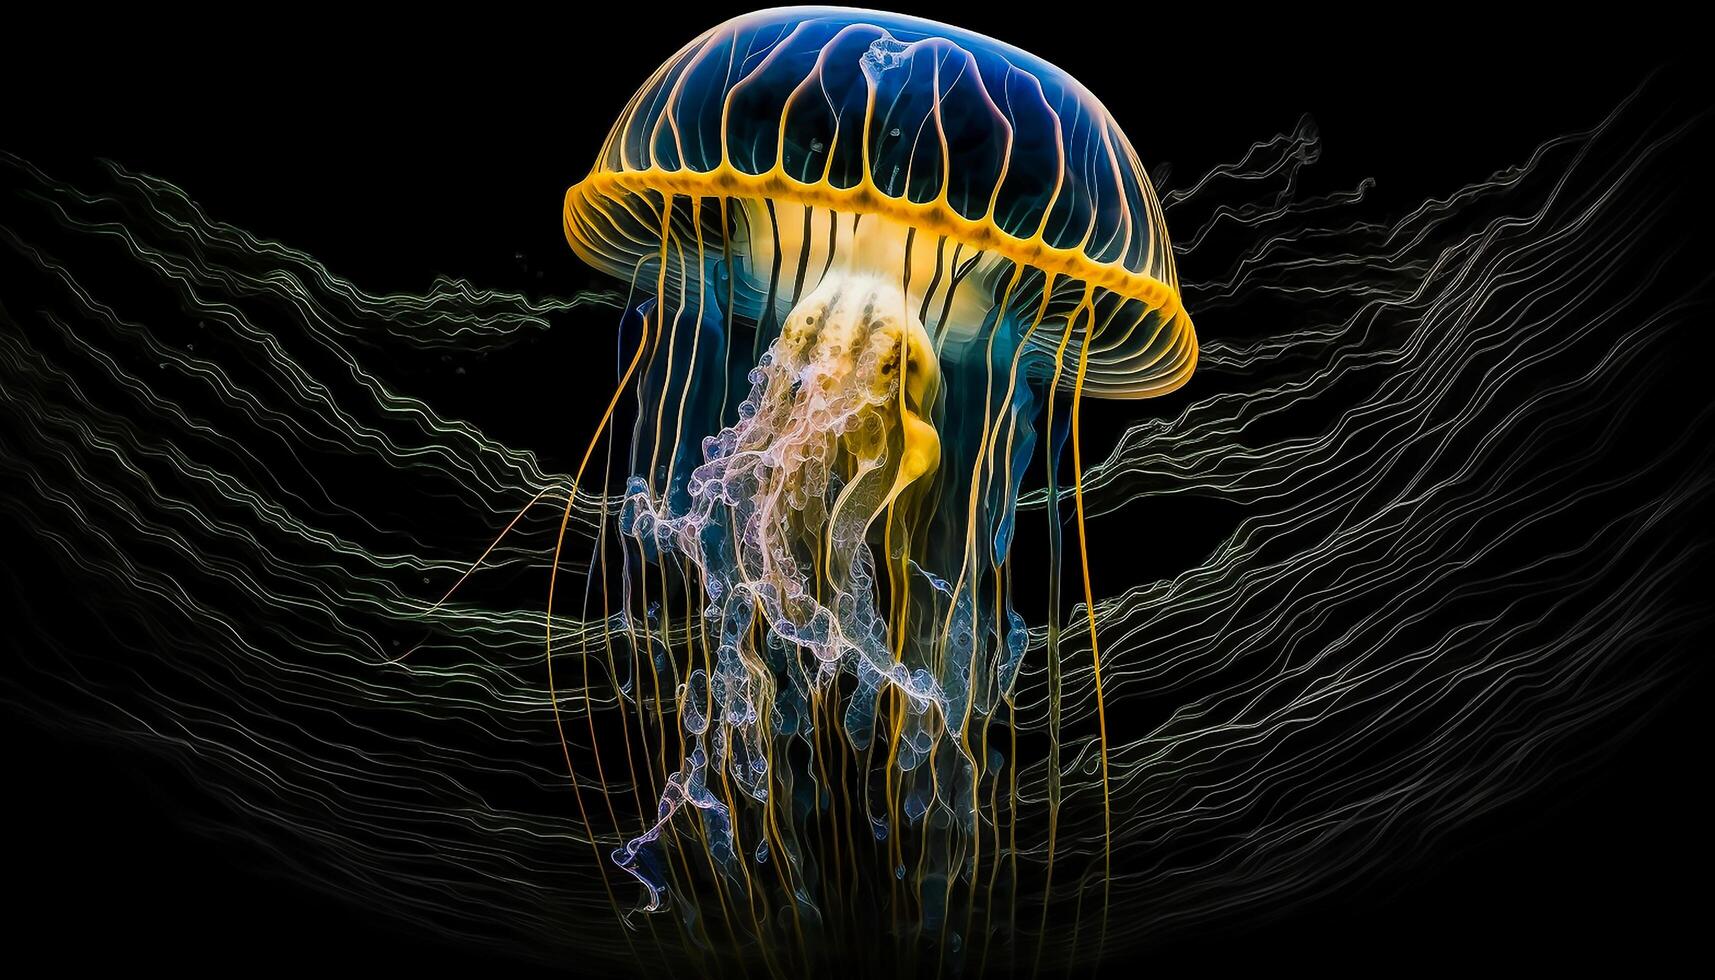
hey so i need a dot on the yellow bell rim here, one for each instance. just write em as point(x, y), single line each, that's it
point(934, 216)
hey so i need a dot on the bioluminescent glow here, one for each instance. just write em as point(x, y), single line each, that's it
point(939, 245)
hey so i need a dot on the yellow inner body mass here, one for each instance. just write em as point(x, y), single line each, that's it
point(860, 328)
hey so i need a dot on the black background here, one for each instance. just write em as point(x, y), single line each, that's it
point(397, 148)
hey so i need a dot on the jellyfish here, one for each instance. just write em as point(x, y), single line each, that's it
point(875, 263)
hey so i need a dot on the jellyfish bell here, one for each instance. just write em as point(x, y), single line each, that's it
point(928, 238)
point(808, 141)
